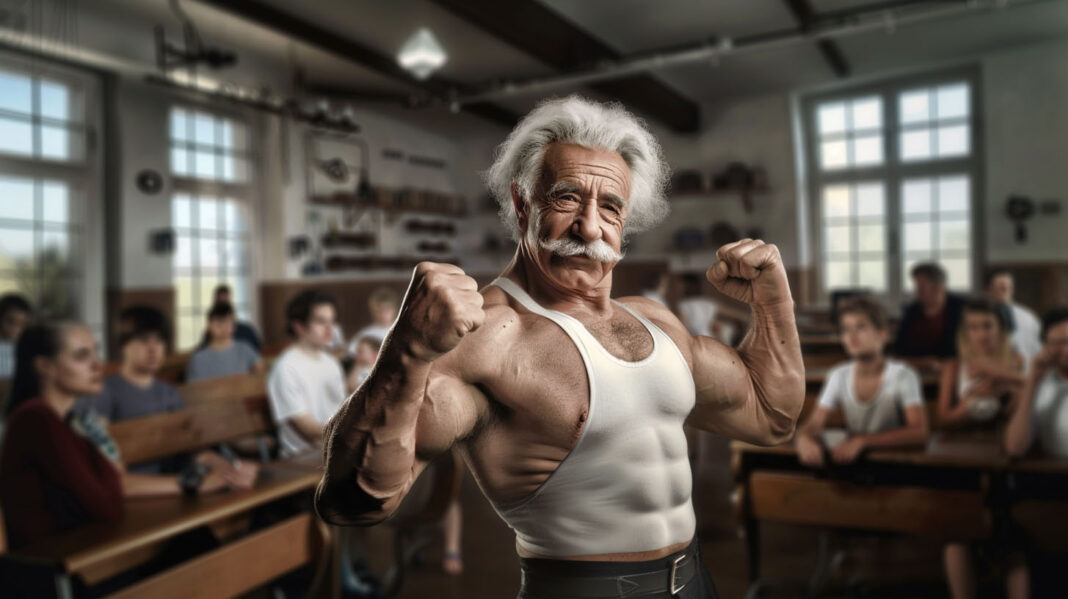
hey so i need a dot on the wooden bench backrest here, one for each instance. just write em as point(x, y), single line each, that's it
point(216, 411)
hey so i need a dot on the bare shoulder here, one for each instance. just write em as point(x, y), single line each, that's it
point(476, 357)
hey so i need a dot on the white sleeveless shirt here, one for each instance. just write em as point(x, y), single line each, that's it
point(626, 484)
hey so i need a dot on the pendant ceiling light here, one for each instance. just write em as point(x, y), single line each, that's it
point(421, 55)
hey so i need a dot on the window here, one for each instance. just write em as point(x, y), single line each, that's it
point(893, 170)
point(212, 247)
point(208, 147)
point(50, 250)
point(210, 161)
point(40, 118)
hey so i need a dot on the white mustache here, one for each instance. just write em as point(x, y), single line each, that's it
point(594, 250)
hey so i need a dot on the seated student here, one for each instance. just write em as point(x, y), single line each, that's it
point(134, 391)
point(243, 331)
point(1041, 410)
point(382, 305)
point(976, 386)
point(363, 360)
point(306, 385)
point(880, 400)
point(14, 314)
point(927, 334)
point(52, 477)
point(219, 353)
point(1025, 326)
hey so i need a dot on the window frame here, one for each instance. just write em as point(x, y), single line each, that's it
point(893, 172)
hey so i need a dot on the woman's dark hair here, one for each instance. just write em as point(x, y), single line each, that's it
point(14, 301)
point(1053, 318)
point(218, 310)
point(982, 305)
point(39, 340)
point(299, 308)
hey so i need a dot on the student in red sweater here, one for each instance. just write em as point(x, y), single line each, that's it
point(51, 477)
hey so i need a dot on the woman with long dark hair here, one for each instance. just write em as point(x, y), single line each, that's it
point(51, 477)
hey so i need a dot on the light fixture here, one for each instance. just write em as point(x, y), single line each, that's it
point(421, 55)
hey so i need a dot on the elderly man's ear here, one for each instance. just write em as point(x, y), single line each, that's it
point(520, 207)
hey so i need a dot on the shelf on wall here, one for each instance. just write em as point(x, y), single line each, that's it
point(745, 193)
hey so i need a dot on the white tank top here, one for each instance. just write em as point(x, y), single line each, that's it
point(626, 484)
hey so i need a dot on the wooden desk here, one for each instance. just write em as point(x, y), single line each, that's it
point(97, 551)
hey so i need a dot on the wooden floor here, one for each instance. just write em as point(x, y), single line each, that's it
point(492, 570)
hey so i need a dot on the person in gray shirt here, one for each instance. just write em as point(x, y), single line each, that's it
point(219, 353)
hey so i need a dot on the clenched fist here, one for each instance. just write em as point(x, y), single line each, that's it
point(441, 306)
point(750, 271)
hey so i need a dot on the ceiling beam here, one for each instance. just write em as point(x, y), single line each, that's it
point(355, 52)
point(538, 31)
point(831, 51)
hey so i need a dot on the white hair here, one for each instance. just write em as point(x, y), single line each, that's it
point(576, 120)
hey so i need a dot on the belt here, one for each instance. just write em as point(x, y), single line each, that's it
point(664, 581)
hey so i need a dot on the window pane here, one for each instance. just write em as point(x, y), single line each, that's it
point(189, 329)
point(915, 106)
point(55, 252)
point(953, 195)
point(16, 247)
point(55, 101)
point(872, 274)
point(183, 252)
point(203, 129)
point(233, 217)
point(833, 154)
point(917, 237)
point(236, 256)
point(868, 150)
point(916, 145)
point(867, 113)
point(207, 214)
point(15, 93)
point(838, 274)
point(953, 235)
point(870, 200)
point(179, 161)
point(183, 291)
point(836, 201)
point(916, 196)
point(16, 198)
point(832, 118)
point(209, 253)
point(839, 239)
point(240, 288)
point(179, 124)
point(226, 134)
point(204, 165)
point(16, 137)
point(871, 238)
point(180, 209)
point(56, 203)
point(227, 172)
point(55, 143)
point(958, 271)
point(953, 101)
point(953, 141)
point(207, 287)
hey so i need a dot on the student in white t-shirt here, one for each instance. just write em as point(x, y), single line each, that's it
point(306, 385)
point(880, 400)
point(1041, 408)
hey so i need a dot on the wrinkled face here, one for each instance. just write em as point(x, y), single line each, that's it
point(12, 324)
point(221, 328)
point(319, 330)
point(929, 292)
point(1001, 289)
point(145, 353)
point(1057, 343)
point(76, 370)
point(581, 206)
point(366, 354)
point(982, 330)
point(860, 336)
point(383, 313)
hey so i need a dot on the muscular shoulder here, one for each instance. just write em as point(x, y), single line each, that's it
point(476, 357)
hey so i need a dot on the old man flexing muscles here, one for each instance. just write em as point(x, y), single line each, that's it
point(568, 405)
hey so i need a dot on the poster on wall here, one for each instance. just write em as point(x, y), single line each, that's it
point(335, 166)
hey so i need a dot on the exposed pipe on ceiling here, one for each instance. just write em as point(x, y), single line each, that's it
point(837, 26)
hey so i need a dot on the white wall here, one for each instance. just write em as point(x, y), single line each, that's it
point(1025, 96)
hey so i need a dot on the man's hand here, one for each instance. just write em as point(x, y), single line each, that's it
point(847, 451)
point(809, 451)
point(442, 305)
point(751, 271)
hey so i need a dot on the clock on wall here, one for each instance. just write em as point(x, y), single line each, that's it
point(149, 181)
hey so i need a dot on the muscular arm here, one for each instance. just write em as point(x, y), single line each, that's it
point(754, 393)
point(411, 407)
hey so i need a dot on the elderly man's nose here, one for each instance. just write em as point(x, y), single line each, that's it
point(587, 223)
